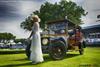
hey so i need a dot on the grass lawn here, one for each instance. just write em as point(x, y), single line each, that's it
point(91, 58)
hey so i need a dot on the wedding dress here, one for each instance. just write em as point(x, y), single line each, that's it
point(36, 50)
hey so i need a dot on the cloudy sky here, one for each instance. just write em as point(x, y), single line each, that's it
point(93, 9)
point(13, 12)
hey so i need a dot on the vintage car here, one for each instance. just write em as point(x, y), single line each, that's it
point(55, 39)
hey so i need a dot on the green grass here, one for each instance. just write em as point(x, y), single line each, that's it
point(91, 58)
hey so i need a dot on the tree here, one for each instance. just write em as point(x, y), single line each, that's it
point(49, 11)
point(6, 37)
point(19, 40)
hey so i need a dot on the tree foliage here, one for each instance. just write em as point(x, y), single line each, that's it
point(19, 40)
point(49, 11)
point(6, 37)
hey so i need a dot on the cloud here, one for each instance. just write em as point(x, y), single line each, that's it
point(27, 7)
point(93, 9)
point(12, 9)
point(14, 28)
point(7, 9)
point(92, 4)
point(12, 13)
point(52, 1)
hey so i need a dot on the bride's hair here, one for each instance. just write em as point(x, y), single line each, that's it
point(35, 18)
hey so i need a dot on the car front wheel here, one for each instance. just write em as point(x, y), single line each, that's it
point(57, 50)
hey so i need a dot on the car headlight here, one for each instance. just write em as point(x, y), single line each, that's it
point(44, 41)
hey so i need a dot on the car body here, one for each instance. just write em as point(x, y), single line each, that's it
point(54, 39)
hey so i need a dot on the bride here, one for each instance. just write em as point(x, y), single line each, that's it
point(36, 51)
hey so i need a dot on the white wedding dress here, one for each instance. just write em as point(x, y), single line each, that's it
point(36, 50)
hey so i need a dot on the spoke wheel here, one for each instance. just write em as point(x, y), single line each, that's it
point(57, 51)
